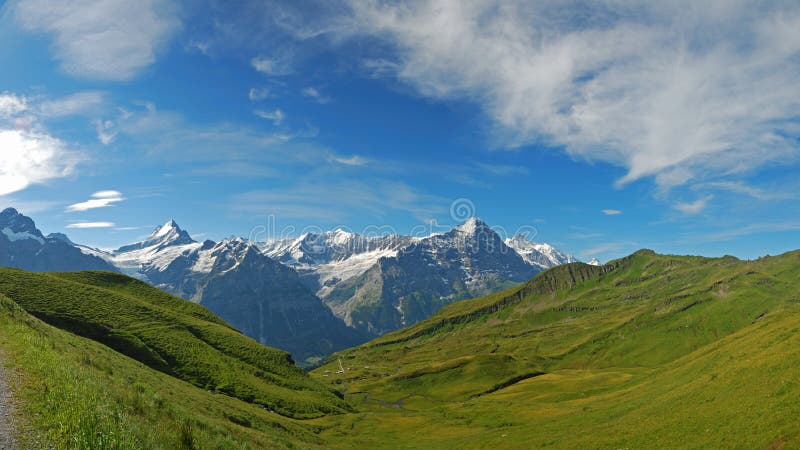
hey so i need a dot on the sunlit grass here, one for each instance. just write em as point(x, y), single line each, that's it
point(78, 394)
point(651, 351)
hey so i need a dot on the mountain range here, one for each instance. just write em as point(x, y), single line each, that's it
point(378, 284)
point(311, 295)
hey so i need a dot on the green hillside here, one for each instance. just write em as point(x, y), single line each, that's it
point(170, 335)
point(646, 351)
point(74, 393)
point(649, 351)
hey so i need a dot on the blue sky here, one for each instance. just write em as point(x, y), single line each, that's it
point(606, 126)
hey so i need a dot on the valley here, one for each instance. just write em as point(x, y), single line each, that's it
point(399, 224)
point(645, 351)
point(311, 295)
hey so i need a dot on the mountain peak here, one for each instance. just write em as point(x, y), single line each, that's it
point(167, 228)
point(341, 237)
point(472, 225)
point(9, 212)
point(13, 222)
point(61, 237)
point(541, 254)
point(165, 235)
point(520, 239)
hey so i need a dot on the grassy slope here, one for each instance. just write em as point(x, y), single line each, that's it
point(647, 351)
point(78, 394)
point(171, 335)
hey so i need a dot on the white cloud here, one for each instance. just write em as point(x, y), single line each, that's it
point(107, 194)
point(354, 160)
point(314, 94)
point(106, 131)
point(91, 225)
point(137, 228)
point(78, 103)
point(257, 94)
point(199, 46)
point(276, 66)
point(99, 199)
point(32, 157)
point(102, 39)
point(674, 90)
point(29, 154)
point(739, 187)
point(276, 115)
point(694, 207)
point(611, 212)
point(11, 105)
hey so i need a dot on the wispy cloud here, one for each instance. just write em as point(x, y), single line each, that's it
point(106, 131)
point(78, 103)
point(163, 134)
point(133, 228)
point(256, 94)
point(101, 199)
point(694, 207)
point(313, 93)
point(605, 248)
point(502, 169)
point(664, 93)
point(740, 187)
point(110, 40)
point(11, 105)
point(750, 229)
point(341, 201)
point(611, 212)
point(29, 207)
point(91, 225)
point(276, 115)
point(273, 66)
point(354, 160)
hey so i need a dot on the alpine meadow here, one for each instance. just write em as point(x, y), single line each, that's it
point(422, 224)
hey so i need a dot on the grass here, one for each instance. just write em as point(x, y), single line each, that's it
point(78, 394)
point(647, 351)
point(170, 335)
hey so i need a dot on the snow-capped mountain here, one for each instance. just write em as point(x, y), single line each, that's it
point(594, 262)
point(260, 297)
point(402, 280)
point(539, 254)
point(379, 284)
point(155, 254)
point(23, 246)
point(300, 294)
point(326, 259)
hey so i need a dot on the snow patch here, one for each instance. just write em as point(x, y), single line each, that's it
point(346, 269)
point(21, 236)
point(205, 261)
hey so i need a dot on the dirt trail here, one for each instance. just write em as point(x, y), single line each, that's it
point(7, 441)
